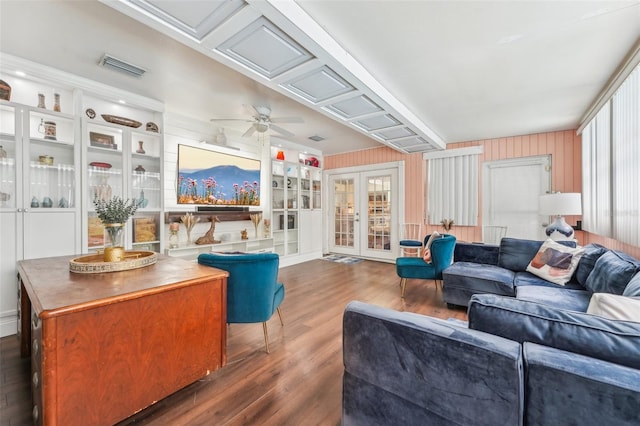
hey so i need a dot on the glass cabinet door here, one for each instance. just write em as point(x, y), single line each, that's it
point(8, 155)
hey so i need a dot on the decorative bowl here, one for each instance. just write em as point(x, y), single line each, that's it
point(121, 120)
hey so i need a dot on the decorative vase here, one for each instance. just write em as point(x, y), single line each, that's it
point(174, 227)
point(113, 242)
point(280, 156)
point(41, 101)
point(56, 102)
point(140, 149)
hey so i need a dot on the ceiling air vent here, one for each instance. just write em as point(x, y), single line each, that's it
point(108, 61)
point(316, 138)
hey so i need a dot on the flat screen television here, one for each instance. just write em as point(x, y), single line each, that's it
point(213, 178)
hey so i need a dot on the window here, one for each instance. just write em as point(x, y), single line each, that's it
point(453, 186)
point(610, 171)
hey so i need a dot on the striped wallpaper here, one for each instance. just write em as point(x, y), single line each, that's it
point(563, 146)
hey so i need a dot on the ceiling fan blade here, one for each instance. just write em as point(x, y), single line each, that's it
point(287, 120)
point(282, 131)
point(231, 119)
point(250, 131)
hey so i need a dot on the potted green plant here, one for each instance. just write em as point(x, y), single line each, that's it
point(114, 214)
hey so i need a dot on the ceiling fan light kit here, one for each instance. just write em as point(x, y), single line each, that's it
point(262, 122)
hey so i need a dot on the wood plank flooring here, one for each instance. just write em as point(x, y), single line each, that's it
point(299, 382)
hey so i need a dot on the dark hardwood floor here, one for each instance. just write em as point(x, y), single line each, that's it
point(299, 382)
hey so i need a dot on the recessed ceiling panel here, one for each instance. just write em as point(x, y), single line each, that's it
point(376, 123)
point(194, 18)
point(264, 48)
point(353, 107)
point(318, 85)
point(401, 132)
point(410, 145)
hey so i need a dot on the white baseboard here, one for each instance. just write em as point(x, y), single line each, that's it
point(299, 258)
point(8, 323)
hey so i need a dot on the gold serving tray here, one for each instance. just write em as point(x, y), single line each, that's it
point(94, 263)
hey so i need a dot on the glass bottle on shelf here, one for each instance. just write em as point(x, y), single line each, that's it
point(174, 227)
point(56, 102)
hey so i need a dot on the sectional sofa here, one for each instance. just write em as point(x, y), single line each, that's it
point(532, 352)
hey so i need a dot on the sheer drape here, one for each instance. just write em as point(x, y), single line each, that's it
point(626, 160)
point(611, 166)
point(453, 186)
point(596, 174)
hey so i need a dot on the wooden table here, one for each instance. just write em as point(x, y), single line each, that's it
point(105, 346)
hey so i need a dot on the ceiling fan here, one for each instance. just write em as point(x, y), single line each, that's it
point(262, 121)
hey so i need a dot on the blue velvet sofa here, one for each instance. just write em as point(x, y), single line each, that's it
point(528, 355)
point(482, 269)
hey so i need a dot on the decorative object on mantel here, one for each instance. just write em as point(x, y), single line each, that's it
point(140, 149)
point(113, 214)
point(121, 120)
point(90, 113)
point(244, 234)
point(280, 156)
point(152, 127)
point(209, 238)
point(47, 202)
point(447, 224)
point(34, 202)
point(189, 221)
point(94, 263)
point(41, 101)
point(256, 218)
point(5, 91)
point(267, 228)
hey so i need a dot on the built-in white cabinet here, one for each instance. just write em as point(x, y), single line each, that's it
point(39, 175)
point(125, 161)
point(59, 151)
point(296, 202)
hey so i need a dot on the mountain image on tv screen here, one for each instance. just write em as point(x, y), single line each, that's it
point(213, 178)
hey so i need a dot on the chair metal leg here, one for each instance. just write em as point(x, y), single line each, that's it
point(403, 284)
point(280, 315)
point(266, 336)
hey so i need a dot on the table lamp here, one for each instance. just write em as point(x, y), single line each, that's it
point(559, 205)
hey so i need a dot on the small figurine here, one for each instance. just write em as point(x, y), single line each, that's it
point(244, 235)
point(209, 238)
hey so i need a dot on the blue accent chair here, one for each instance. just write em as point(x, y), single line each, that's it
point(415, 267)
point(253, 290)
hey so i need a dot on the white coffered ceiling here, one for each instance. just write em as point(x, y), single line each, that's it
point(412, 75)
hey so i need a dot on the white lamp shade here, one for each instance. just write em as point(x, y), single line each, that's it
point(560, 204)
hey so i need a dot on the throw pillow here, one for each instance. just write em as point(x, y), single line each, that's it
point(615, 307)
point(426, 256)
point(633, 288)
point(554, 262)
point(612, 273)
point(592, 253)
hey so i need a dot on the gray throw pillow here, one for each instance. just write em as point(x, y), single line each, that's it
point(592, 253)
point(612, 273)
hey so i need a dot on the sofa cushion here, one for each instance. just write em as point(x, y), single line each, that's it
point(528, 279)
point(557, 297)
point(515, 254)
point(524, 321)
point(477, 278)
point(615, 307)
point(592, 253)
point(555, 262)
point(633, 288)
point(421, 354)
point(612, 272)
point(565, 388)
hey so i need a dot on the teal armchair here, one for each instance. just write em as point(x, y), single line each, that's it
point(253, 290)
point(415, 267)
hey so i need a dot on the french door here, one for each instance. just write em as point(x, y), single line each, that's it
point(363, 211)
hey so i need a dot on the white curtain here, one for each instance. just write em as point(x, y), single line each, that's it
point(596, 174)
point(453, 186)
point(626, 160)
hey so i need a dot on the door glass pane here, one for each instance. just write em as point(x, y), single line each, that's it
point(344, 212)
point(379, 213)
